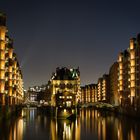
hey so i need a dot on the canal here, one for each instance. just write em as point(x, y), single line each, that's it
point(89, 125)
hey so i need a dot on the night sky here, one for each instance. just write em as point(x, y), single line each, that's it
point(71, 33)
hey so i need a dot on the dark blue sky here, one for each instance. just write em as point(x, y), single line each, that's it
point(88, 34)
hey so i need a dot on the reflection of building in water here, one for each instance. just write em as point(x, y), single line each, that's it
point(65, 130)
point(107, 127)
point(94, 123)
point(16, 130)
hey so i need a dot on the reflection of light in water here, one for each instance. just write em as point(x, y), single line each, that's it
point(104, 129)
point(56, 127)
point(53, 130)
point(76, 123)
point(66, 132)
point(89, 113)
point(99, 129)
point(77, 129)
point(16, 132)
point(22, 113)
point(20, 129)
point(32, 114)
point(131, 135)
point(92, 124)
point(118, 134)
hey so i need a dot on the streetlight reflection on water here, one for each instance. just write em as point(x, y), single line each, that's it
point(65, 129)
point(90, 124)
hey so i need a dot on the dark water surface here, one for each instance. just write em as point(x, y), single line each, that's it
point(90, 125)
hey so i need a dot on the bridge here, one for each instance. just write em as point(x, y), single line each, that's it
point(97, 105)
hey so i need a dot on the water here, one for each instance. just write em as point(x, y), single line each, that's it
point(90, 125)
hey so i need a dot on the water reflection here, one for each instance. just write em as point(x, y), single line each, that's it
point(105, 126)
point(65, 129)
point(12, 129)
point(91, 124)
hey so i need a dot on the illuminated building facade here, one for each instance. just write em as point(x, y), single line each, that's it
point(83, 95)
point(129, 74)
point(65, 88)
point(89, 93)
point(99, 87)
point(36, 94)
point(11, 80)
point(103, 93)
point(99, 92)
point(113, 76)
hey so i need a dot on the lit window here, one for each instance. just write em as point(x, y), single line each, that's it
point(131, 45)
point(132, 76)
point(68, 103)
point(120, 66)
point(132, 62)
point(2, 35)
point(2, 64)
point(132, 83)
point(120, 58)
point(121, 87)
point(61, 97)
point(132, 55)
point(132, 92)
point(132, 69)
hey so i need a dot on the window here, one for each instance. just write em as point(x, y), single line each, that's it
point(68, 103)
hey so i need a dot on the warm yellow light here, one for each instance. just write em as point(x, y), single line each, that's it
point(121, 71)
point(120, 66)
point(132, 70)
point(2, 64)
point(120, 77)
point(2, 86)
point(10, 75)
point(64, 110)
point(2, 74)
point(10, 53)
point(132, 55)
point(2, 33)
point(132, 63)
point(120, 82)
point(61, 97)
point(132, 76)
point(120, 58)
point(10, 82)
point(2, 55)
point(121, 87)
point(131, 44)
point(132, 83)
point(133, 92)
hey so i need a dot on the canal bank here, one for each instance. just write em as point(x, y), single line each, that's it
point(126, 111)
